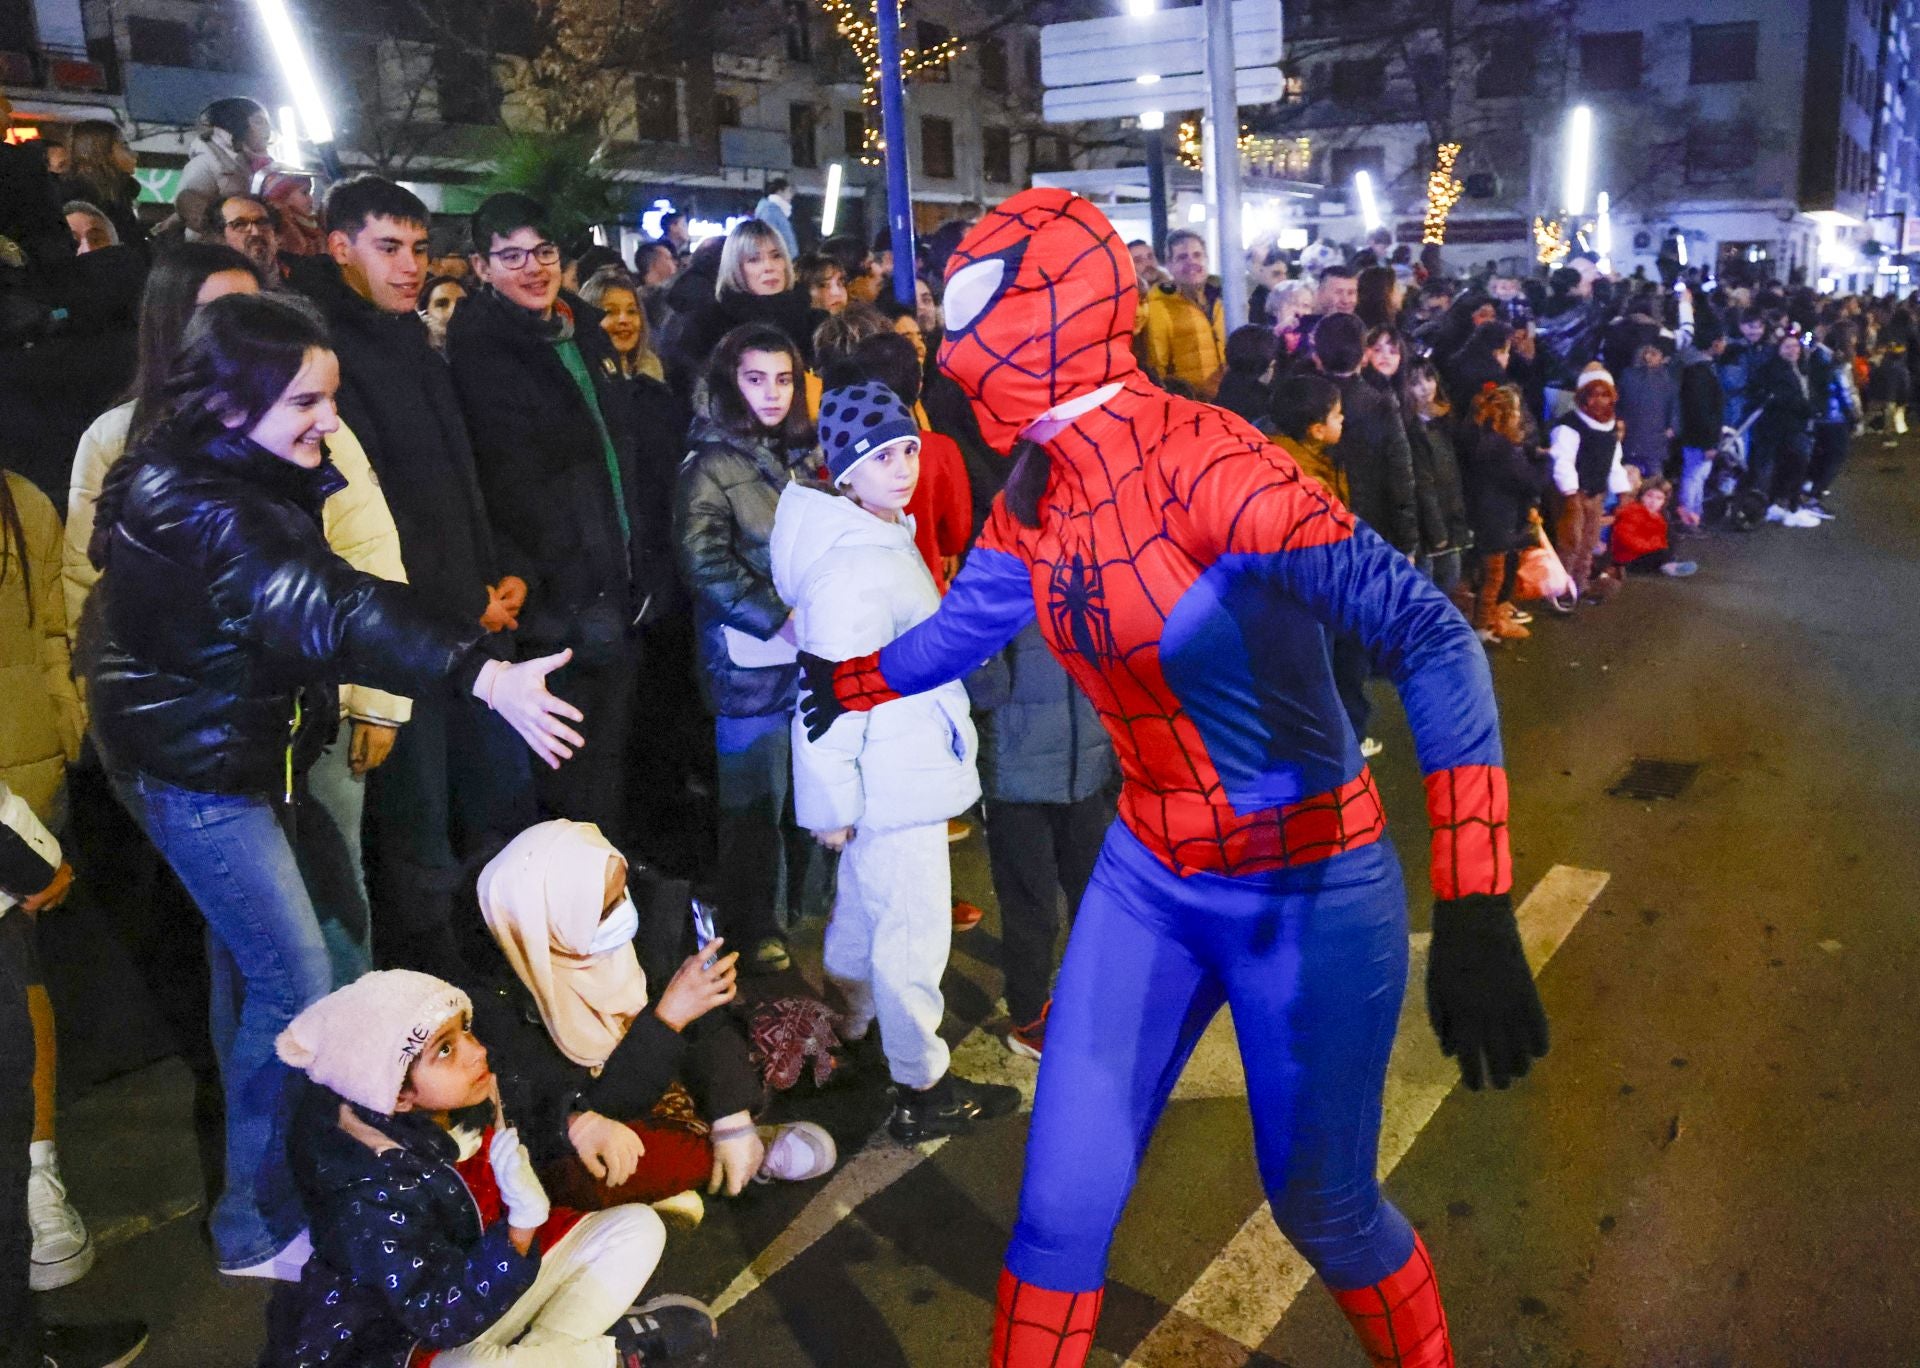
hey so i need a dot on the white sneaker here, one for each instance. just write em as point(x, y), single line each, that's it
point(796, 1153)
point(62, 1249)
point(282, 1267)
point(1803, 517)
point(1777, 513)
point(1370, 748)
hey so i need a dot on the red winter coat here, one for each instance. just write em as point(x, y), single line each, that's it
point(942, 504)
point(1637, 532)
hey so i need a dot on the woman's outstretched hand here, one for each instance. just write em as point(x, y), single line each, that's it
point(519, 694)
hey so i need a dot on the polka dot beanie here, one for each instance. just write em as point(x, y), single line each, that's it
point(857, 420)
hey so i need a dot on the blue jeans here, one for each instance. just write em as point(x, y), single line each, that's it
point(1696, 462)
point(269, 959)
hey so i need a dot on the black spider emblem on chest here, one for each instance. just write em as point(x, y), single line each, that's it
point(1077, 610)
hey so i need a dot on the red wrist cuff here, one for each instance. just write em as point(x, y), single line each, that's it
point(1467, 806)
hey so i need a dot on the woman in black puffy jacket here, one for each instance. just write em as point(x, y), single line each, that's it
point(224, 624)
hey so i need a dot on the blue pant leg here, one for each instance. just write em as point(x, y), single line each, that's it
point(1129, 1006)
point(233, 857)
point(1315, 994)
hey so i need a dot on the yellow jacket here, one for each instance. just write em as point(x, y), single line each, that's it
point(40, 716)
point(359, 528)
point(1183, 342)
point(1319, 465)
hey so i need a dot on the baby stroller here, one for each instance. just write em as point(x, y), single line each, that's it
point(1731, 494)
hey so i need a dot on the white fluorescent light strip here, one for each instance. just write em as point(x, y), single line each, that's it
point(1579, 158)
point(294, 67)
point(830, 214)
point(1369, 207)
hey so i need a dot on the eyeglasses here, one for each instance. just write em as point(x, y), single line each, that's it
point(513, 258)
point(248, 225)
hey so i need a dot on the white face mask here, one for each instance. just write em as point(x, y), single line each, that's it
point(617, 928)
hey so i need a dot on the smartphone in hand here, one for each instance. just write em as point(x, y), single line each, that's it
point(703, 931)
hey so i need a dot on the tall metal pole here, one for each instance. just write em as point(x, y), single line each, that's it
point(1157, 187)
point(893, 128)
point(1223, 167)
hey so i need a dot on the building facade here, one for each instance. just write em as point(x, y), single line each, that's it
point(1764, 136)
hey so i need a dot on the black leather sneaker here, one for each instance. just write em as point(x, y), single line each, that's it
point(669, 1329)
point(949, 1107)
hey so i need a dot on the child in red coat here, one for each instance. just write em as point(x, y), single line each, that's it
point(1640, 535)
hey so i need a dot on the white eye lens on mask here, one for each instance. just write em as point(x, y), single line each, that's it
point(617, 928)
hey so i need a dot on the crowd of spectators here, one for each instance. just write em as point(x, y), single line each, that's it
point(426, 626)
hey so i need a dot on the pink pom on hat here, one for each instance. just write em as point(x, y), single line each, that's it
point(360, 1040)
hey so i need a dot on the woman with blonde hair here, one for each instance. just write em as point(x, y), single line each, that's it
point(613, 292)
point(100, 171)
point(755, 284)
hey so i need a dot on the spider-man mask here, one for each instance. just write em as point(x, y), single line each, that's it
point(1039, 309)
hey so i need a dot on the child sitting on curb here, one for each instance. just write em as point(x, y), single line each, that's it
point(435, 1243)
point(1639, 544)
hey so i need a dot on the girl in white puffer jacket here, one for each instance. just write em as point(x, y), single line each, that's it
point(881, 785)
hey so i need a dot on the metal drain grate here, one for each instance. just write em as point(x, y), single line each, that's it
point(1648, 779)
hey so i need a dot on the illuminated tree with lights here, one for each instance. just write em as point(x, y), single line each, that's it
point(855, 23)
point(1443, 192)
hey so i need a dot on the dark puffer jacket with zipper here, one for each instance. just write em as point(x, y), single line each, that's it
point(543, 473)
point(724, 501)
point(226, 617)
point(400, 1254)
point(1040, 739)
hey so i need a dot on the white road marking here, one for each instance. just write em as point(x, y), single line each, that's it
point(1246, 1290)
point(879, 1165)
point(132, 1227)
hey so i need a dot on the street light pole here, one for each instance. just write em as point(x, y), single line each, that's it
point(1223, 167)
point(893, 129)
point(1154, 124)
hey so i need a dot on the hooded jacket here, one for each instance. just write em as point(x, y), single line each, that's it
point(723, 506)
point(215, 170)
point(228, 621)
point(856, 582)
point(40, 722)
point(543, 473)
point(1376, 462)
point(1702, 401)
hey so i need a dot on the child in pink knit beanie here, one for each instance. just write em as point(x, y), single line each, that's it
point(433, 1241)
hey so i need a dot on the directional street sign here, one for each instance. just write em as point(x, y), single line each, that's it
point(1124, 99)
point(1167, 42)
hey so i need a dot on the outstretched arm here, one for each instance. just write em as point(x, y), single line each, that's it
point(988, 604)
point(1480, 993)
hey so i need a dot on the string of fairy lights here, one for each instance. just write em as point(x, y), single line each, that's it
point(855, 23)
point(1259, 152)
point(1550, 242)
point(1443, 192)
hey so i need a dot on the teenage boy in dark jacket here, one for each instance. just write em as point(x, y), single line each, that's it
point(548, 413)
point(456, 780)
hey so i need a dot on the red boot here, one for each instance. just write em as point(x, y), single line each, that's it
point(1036, 1328)
point(1398, 1320)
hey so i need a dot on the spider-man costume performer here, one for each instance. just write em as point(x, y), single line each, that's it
point(1187, 576)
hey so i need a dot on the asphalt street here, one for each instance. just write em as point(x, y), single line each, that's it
point(1716, 1165)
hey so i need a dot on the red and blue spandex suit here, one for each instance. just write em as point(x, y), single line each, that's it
point(1187, 576)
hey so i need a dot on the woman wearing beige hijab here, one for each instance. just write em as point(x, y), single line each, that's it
point(596, 1051)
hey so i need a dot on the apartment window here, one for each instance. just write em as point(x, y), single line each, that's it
point(160, 42)
point(996, 155)
point(464, 86)
point(853, 131)
point(936, 148)
point(1718, 150)
point(1293, 89)
point(1724, 53)
point(803, 133)
point(1610, 61)
point(927, 37)
point(1354, 82)
point(656, 109)
point(1342, 162)
point(799, 31)
point(726, 109)
point(993, 65)
point(1049, 152)
point(1508, 57)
